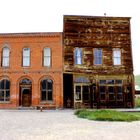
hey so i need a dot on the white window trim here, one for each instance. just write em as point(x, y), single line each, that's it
point(27, 57)
point(5, 57)
point(47, 57)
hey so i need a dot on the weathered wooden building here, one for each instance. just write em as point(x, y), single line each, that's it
point(98, 66)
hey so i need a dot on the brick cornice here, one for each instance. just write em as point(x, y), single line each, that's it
point(21, 35)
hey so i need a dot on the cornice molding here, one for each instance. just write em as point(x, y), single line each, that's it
point(26, 35)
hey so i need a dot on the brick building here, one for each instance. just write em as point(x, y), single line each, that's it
point(89, 66)
point(31, 70)
point(98, 66)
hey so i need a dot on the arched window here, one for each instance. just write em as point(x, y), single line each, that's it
point(78, 56)
point(46, 90)
point(47, 57)
point(25, 82)
point(5, 57)
point(4, 90)
point(26, 57)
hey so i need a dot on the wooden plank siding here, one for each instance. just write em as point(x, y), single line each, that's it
point(98, 32)
point(106, 33)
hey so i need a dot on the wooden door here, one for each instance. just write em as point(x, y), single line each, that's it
point(26, 97)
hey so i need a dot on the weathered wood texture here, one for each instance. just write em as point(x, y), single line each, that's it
point(97, 32)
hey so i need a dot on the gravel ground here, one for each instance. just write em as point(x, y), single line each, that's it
point(61, 125)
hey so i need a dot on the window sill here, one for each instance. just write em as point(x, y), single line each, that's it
point(5, 67)
point(5, 102)
point(46, 102)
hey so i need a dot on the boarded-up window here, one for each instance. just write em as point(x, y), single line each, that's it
point(47, 57)
point(117, 56)
point(78, 56)
point(97, 56)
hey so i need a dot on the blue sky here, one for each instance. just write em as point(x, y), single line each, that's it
point(47, 16)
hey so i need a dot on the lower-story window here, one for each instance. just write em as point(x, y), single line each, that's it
point(4, 90)
point(46, 90)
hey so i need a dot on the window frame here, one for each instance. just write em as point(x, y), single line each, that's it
point(4, 57)
point(47, 57)
point(46, 90)
point(98, 58)
point(25, 57)
point(76, 57)
point(117, 58)
point(4, 90)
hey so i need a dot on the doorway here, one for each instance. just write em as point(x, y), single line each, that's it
point(68, 90)
point(25, 96)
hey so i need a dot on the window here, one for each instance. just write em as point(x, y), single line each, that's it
point(78, 56)
point(78, 93)
point(46, 90)
point(97, 56)
point(47, 57)
point(5, 57)
point(26, 57)
point(117, 57)
point(4, 90)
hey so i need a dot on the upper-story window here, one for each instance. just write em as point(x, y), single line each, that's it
point(26, 57)
point(117, 56)
point(5, 57)
point(78, 56)
point(97, 56)
point(47, 57)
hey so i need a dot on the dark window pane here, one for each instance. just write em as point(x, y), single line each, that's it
point(2, 84)
point(7, 98)
point(119, 97)
point(119, 90)
point(85, 89)
point(49, 85)
point(111, 89)
point(7, 84)
point(111, 97)
point(2, 96)
point(102, 89)
point(102, 81)
point(43, 84)
point(50, 95)
point(118, 81)
point(43, 97)
point(102, 97)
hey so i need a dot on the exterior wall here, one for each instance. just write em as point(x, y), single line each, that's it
point(35, 72)
point(106, 33)
point(97, 32)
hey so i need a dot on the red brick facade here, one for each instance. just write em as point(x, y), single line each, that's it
point(35, 72)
